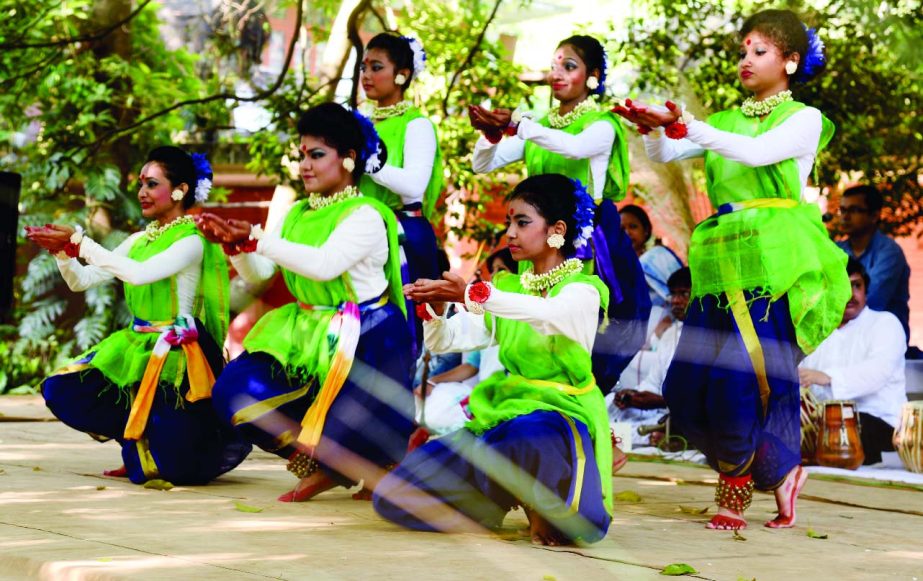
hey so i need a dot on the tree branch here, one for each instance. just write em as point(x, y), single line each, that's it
point(352, 32)
point(474, 50)
point(220, 96)
point(75, 39)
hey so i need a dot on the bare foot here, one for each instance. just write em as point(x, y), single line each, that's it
point(543, 532)
point(120, 472)
point(309, 487)
point(786, 495)
point(727, 520)
point(363, 494)
point(619, 458)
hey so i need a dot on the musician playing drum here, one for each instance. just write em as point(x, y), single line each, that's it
point(862, 361)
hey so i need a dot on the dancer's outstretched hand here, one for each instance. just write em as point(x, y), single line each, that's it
point(647, 115)
point(484, 120)
point(221, 231)
point(450, 289)
point(51, 237)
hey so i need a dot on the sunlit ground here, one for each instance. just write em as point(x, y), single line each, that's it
point(60, 519)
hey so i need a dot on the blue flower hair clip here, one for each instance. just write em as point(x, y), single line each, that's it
point(371, 147)
point(586, 210)
point(814, 60)
point(602, 75)
point(203, 174)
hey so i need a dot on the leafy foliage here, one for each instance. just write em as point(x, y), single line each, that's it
point(870, 89)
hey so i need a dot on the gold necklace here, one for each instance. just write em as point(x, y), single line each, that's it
point(753, 108)
point(154, 230)
point(318, 201)
point(558, 121)
point(399, 108)
point(541, 282)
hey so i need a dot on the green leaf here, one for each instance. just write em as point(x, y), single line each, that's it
point(676, 569)
point(246, 507)
point(628, 496)
point(692, 509)
point(812, 534)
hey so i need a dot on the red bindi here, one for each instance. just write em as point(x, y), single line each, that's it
point(748, 42)
point(511, 211)
point(304, 149)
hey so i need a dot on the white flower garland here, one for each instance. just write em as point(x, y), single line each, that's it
point(419, 56)
point(379, 113)
point(558, 121)
point(318, 201)
point(154, 230)
point(753, 108)
point(540, 282)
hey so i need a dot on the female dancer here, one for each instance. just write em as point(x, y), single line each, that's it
point(658, 262)
point(768, 285)
point(149, 386)
point(324, 381)
point(539, 435)
point(411, 181)
point(582, 142)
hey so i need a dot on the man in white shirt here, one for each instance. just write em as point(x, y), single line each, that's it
point(645, 404)
point(862, 361)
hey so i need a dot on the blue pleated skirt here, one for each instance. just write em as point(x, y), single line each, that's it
point(543, 460)
point(371, 418)
point(187, 442)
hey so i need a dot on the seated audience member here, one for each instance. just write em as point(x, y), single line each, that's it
point(645, 404)
point(862, 361)
point(658, 262)
point(882, 258)
point(447, 392)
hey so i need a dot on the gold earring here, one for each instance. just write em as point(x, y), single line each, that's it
point(556, 241)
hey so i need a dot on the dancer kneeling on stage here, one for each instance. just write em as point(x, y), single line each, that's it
point(149, 386)
point(324, 381)
point(539, 434)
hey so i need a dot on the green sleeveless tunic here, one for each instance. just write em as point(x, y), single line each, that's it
point(392, 132)
point(532, 359)
point(123, 356)
point(542, 161)
point(776, 251)
point(297, 337)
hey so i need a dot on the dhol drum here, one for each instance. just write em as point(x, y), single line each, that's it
point(810, 420)
point(908, 437)
point(838, 443)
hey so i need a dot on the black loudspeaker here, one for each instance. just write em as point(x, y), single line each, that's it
point(10, 184)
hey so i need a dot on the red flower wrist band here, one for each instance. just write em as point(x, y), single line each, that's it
point(422, 312)
point(476, 295)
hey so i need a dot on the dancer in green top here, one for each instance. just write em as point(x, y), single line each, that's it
point(768, 285)
point(411, 180)
point(583, 141)
point(325, 380)
point(539, 432)
point(149, 386)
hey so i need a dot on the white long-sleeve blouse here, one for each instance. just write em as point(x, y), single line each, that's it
point(358, 245)
point(573, 312)
point(593, 143)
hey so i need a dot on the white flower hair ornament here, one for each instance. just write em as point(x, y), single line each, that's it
point(373, 163)
point(419, 57)
point(203, 173)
